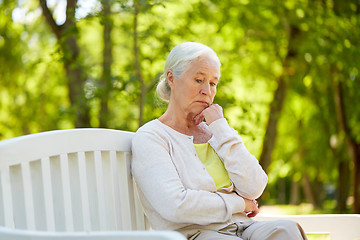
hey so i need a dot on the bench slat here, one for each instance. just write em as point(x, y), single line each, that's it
point(124, 193)
point(139, 213)
point(115, 185)
point(7, 197)
point(28, 195)
point(65, 180)
point(48, 194)
point(100, 189)
point(84, 192)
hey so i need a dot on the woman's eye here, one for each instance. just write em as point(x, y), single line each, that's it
point(213, 84)
point(198, 80)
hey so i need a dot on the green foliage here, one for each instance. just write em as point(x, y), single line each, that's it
point(252, 39)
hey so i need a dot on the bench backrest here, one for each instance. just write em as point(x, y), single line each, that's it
point(69, 180)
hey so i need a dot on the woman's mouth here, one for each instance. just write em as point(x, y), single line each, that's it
point(203, 103)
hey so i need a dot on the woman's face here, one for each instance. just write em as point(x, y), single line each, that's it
point(195, 89)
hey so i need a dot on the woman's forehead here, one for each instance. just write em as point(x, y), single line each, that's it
point(205, 74)
point(205, 66)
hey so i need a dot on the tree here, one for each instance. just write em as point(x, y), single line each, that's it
point(279, 98)
point(145, 84)
point(67, 36)
point(106, 80)
point(346, 13)
point(352, 145)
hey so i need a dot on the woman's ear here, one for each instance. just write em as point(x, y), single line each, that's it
point(170, 77)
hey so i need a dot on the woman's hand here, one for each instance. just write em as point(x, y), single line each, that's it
point(211, 113)
point(251, 207)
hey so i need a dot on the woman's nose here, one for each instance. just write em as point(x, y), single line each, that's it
point(205, 89)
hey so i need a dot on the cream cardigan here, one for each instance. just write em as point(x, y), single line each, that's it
point(174, 187)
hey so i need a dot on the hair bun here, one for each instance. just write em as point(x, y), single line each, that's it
point(163, 89)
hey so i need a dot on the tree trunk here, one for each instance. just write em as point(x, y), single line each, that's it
point(138, 72)
point(294, 195)
point(281, 190)
point(106, 83)
point(76, 82)
point(67, 38)
point(278, 100)
point(271, 128)
point(318, 191)
point(356, 149)
point(342, 186)
point(307, 190)
point(352, 146)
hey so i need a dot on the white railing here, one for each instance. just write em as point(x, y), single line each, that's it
point(338, 226)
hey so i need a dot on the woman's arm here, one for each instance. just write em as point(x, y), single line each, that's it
point(243, 168)
point(158, 180)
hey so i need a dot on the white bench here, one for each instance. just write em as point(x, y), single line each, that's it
point(72, 184)
point(76, 184)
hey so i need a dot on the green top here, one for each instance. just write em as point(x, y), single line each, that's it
point(213, 164)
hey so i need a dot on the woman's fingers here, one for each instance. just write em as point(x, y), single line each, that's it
point(212, 113)
point(251, 207)
point(199, 118)
point(253, 213)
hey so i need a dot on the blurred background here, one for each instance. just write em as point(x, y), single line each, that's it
point(290, 80)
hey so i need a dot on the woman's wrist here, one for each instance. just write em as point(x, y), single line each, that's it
point(234, 202)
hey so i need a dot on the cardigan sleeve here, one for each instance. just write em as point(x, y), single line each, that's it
point(243, 168)
point(157, 178)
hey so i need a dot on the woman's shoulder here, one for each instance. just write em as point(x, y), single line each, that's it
point(151, 128)
point(157, 129)
point(148, 126)
point(150, 135)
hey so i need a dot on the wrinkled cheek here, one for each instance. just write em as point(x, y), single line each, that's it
point(213, 96)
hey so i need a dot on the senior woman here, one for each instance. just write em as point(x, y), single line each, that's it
point(193, 172)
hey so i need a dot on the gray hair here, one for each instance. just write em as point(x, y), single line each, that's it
point(178, 61)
